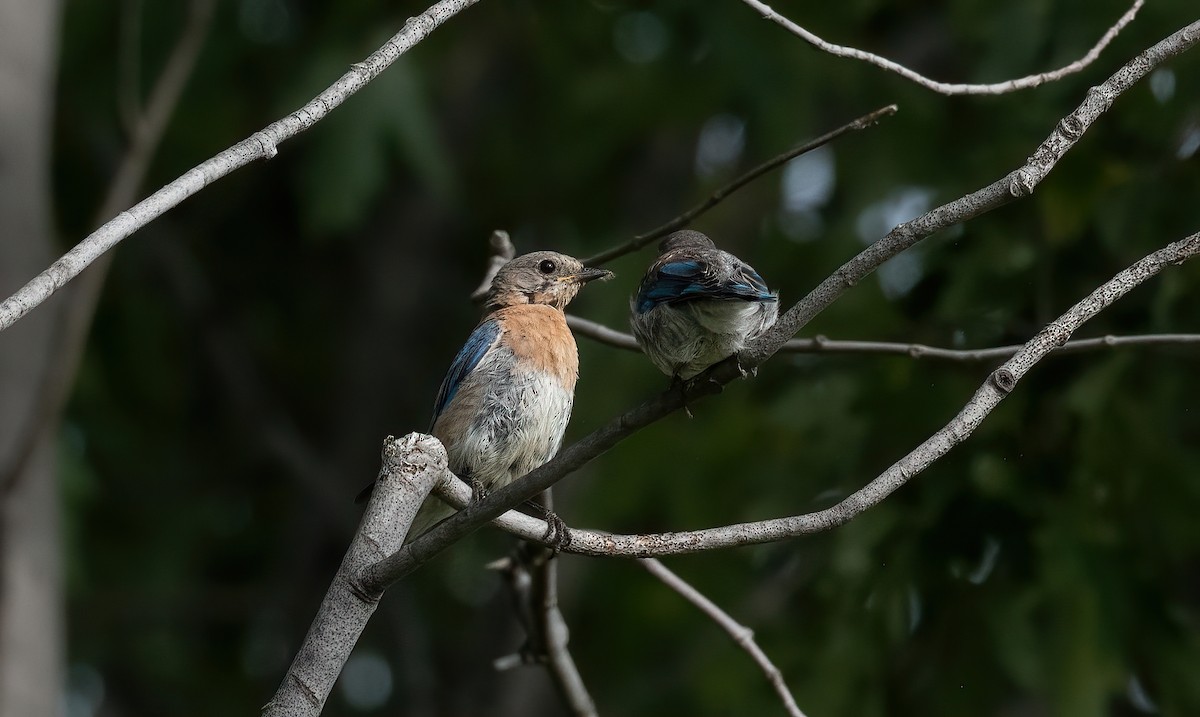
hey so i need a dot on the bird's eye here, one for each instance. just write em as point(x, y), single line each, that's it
point(546, 266)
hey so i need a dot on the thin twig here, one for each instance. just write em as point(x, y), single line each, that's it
point(1017, 184)
point(823, 345)
point(599, 332)
point(945, 88)
point(260, 145)
point(742, 635)
point(641, 240)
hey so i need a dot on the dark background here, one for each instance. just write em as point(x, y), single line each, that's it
point(254, 346)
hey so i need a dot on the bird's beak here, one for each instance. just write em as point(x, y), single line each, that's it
point(588, 274)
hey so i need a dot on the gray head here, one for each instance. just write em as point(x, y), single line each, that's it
point(541, 277)
point(686, 238)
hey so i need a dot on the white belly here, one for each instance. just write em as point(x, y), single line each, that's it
point(518, 427)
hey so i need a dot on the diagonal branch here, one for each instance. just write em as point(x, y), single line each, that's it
point(1017, 184)
point(260, 145)
point(823, 345)
point(868, 120)
point(742, 635)
point(945, 88)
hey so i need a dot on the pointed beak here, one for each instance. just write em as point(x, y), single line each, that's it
point(589, 274)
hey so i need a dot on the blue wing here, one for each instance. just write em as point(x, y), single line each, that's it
point(477, 345)
point(685, 280)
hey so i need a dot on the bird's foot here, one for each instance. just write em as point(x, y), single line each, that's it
point(557, 535)
point(745, 372)
point(683, 386)
point(479, 491)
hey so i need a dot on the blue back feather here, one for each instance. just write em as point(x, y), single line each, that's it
point(685, 280)
point(469, 356)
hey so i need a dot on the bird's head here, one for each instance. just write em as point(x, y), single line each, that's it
point(541, 277)
point(685, 239)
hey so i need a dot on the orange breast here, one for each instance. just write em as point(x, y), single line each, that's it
point(541, 340)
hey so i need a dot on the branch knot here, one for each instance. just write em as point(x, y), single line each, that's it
point(1021, 183)
point(1004, 380)
point(1071, 127)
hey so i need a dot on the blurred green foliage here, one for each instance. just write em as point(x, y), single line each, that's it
point(254, 346)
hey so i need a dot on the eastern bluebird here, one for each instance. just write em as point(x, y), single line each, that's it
point(697, 305)
point(505, 402)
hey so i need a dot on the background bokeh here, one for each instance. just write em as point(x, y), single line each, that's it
point(253, 347)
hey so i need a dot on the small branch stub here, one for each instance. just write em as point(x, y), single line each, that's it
point(1004, 380)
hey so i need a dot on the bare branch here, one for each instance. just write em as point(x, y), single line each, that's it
point(262, 144)
point(411, 466)
point(599, 332)
point(868, 120)
point(823, 345)
point(944, 88)
point(1017, 184)
point(820, 344)
point(742, 635)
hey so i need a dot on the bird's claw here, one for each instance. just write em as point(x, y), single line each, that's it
point(682, 385)
point(745, 372)
point(557, 536)
point(479, 491)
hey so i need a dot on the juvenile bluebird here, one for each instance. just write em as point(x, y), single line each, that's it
point(505, 402)
point(697, 305)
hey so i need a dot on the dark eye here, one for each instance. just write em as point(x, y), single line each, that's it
point(546, 266)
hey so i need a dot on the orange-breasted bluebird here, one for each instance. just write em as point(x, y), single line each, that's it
point(697, 305)
point(506, 400)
